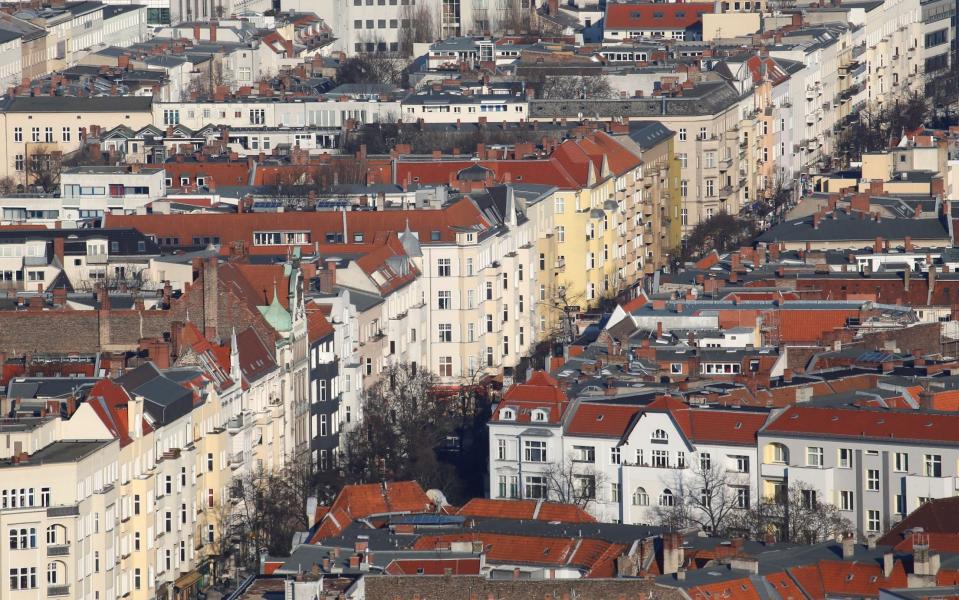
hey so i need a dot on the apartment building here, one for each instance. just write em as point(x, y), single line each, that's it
point(59, 518)
point(445, 107)
point(124, 24)
point(876, 466)
point(267, 113)
point(712, 151)
point(11, 57)
point(47, 126)
point(632, 459)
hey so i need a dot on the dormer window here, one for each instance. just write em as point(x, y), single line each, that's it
point(539, 415)
point(659, 437)
point(507, 414)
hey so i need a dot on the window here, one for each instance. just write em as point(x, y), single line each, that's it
point(846, 500)
point(136, 579)
point(902, 462)
point(18, 134)
point(18, 162)
point(666, 498)
point(23, 538)
point(742, 463)
point(45, 496)
point(661, 459)
point(683, 160)
point(560, 233)
point(872, 480)
point(932, 465)
point(446, 366)
point(676, 368)
point(65, 134)
point(640, 497)
point(779, 454)
point(742, 497)
point(614, 492)
point(814, 456)
point(501, 449)
point(808, 498)
point(446, 332)
point(584, 486)
point(536, 487)
point(52, 574)
point(615, 456)
point(48, 134)
point(23, 578)
point(845, 458)
point(705, 462)
point(136, 504)
point(872, 520)
point(702, 133)
point(682, 134)
point(444, 300)
point(559, 205)
point(710, 187)
point(443, 267)
point(900, 504)
point(585, 454)
point(535, 451)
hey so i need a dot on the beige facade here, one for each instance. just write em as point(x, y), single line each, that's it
point(48, 125)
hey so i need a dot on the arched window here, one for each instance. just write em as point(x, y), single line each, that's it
point(52, 536)
point(539, 415)
point(666, 498)
point(640, 497)
point(659, 437)
point(56, 573)
point(777, 453)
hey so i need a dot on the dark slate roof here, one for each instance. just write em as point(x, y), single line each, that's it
point(648, 134)
point(165, 400)
point(854, 228)
point(707, 98)
point(62, 452)
point(75, 239)
point(30, 104)
point(46, 387)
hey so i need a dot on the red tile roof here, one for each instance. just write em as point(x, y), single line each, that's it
point(938, 516)
point(434, 566)
point(539, 392)
point(240, 226)
point(655, 17)
point(839, 578)
point(883, 425)
point(606, 420)
point(109, 401)
point(740, 589)
point(362, 500)
point(524, 510)
point(596, 558)
point(317, 325)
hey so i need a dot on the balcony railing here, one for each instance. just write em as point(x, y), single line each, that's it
point(58, 550)
point(63, 511)
point(58, 590)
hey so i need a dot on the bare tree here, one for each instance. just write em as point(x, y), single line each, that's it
point(573, 482)
point(563, 303)
point(796, 514)
point(514, 16)
point(577, 87)
point(706, 496)
point(419, 25)
point(210, 77)
point(43, 167)
point(270, 507)
point(404, 423)
point(374, 67)
point(7, 186)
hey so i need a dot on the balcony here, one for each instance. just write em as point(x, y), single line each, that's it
point(559, 264)
point(725, 164)
point(58, 550)
point(63, 511)
point(58, 590)
point(235, 425)
point(236, 460)
point(97, 259)
point(773, 470)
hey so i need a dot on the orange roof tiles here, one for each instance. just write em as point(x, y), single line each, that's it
point(608, 420)
point(524, 510)
point(362, 500)
point(740, 589)
point(840, 578)
point(541, 391)
point(865, 423)
point(648, 16)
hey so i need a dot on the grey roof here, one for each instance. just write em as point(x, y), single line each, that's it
point(707, 98)
point(165, 400)
point(6, 35)
point(29, 104)
point(646, 134)
point(61, 452)
point(112, 10)
point(46, 387)
point(853, 228)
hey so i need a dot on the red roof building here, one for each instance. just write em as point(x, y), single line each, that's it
point(681, 21)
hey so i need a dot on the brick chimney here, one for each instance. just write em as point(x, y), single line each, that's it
point(211, 290)
point(328, 277)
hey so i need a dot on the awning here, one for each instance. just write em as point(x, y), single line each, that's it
point(185, 582)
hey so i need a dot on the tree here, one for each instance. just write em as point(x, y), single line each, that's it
point(419, 26)
point(514, 17)
point(404, 423)
point(205, 83)
point(270, 507)
point(43, 168)
point(721, 232)
point(577, 87)
point(705, 496)
point(571, 482)
point(377, 67)
point(7, 186)
point(873, 129)
point(566, 303)
point(796, 515)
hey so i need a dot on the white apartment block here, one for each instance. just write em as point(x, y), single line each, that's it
point(876, 466)
point(322, 112)
point(631, 460)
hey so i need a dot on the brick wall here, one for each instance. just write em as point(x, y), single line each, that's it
point(479, 588)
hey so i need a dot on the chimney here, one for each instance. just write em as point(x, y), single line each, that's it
point(888, 562)
point(103, 316)
point(908, 243)
point(58, 248)
point(815, 221)
point(328, 277)
point(877, 246)
point(672, 552)
point(211, 307)
point(848, 546)
point(787, 375)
